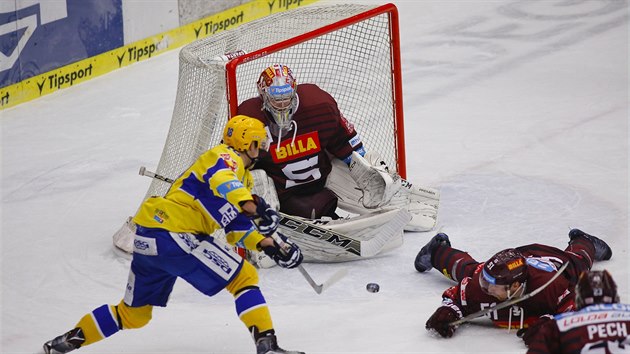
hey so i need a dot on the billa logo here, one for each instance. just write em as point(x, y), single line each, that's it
point(517, 263)
point(304, 145)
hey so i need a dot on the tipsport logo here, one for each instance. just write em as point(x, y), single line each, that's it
point(212, 27)
point(284, 4)
point(136, 53)
point(57, 81)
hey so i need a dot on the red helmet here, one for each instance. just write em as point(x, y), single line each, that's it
point(504, 268)
point(595, 287)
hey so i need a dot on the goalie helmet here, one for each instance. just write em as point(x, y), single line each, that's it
point(277, 88)
point(504, 268)
point(241, 131)
point(595, 287)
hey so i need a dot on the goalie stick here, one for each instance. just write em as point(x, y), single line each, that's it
point(358, 247)
point(319, 288)
point(509, 303)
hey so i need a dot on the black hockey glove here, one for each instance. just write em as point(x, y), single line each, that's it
point(440, 321)
point(286, 255)
point(528, 334)
point(269, 218)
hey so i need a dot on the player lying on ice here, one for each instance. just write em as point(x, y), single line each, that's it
point(172, 240)
point(317, 162)
point(508, 275)
point(599, 324)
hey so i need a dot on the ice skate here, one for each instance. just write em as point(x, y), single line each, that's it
point(602, 250)
point(65, 343)
point(423, 259)
point(269, 345)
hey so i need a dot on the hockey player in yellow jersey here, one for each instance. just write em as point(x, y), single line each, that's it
point(173, 240)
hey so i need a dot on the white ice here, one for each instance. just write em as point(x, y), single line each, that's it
point(517, 111)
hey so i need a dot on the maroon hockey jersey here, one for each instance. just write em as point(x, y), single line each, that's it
point(543, 262)
point(599, 328)
point(301, 165)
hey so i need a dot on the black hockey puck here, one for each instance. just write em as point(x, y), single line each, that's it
point(372, 287)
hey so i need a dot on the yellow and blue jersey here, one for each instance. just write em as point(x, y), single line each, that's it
point(206, 197)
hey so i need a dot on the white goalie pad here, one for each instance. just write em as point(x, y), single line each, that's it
point(421, 202)
point(123, 238)
point(342, 240)
point(265, 188)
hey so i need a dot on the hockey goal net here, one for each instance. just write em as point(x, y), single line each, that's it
point(349, 50)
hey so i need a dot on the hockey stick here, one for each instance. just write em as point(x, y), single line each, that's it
point(319, 288)
point(509, 303)
point(361, 248)
point(144, 172)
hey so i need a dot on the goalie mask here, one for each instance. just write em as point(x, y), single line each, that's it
point(595, 287)
point(277, 88)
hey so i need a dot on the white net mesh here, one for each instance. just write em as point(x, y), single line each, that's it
point(353, 62)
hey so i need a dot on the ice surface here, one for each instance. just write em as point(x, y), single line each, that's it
point(517, 111)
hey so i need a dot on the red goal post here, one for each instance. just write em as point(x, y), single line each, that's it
point(351, 51)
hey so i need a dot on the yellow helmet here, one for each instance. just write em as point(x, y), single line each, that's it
point(241, 131)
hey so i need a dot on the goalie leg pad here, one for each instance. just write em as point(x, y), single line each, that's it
point(123, 238)
point(348, 193)
point(421, 202)
point(264, 187)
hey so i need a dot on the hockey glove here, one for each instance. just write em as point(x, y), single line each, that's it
point(286, 254)
point(440, 321)
point(528, 334)
point(269, 218)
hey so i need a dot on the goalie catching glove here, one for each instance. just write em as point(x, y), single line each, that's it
point(268, 217)
point(440, 321)
point(284, 252)
point(376, 184)
point(366, 187)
